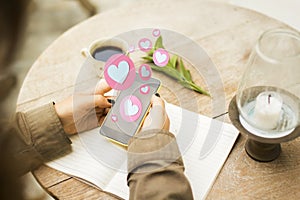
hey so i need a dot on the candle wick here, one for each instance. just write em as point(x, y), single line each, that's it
point(269, 97)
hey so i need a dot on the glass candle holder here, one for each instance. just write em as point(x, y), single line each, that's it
point(268, 97)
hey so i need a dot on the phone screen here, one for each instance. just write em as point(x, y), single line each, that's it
point(129, 110)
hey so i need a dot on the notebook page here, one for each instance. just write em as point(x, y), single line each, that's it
point(81, 164)
point(118, 185)
point(190, 129)
point(201, 171)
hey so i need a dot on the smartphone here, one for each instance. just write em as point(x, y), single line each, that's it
point(129, 110)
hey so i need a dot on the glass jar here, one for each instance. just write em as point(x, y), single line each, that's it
point(268, 97)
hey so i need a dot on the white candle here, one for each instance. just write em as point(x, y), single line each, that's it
point(267, 110)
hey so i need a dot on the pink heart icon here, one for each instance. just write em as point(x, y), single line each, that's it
point(130, 108)
point(156, 32)
point(114, 118)
point(144, 89)
point(119, 72)
point(145, 72)
point(131, 49)
point(145, 44)
point(161, 57)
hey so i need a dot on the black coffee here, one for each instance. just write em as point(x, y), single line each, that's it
point(104, 53)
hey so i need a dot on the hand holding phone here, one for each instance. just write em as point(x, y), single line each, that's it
point(130, 108)
point(157, 117)
point(76, 112)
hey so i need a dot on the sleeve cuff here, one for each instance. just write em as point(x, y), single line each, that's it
point(155, 147)
point(45, 132)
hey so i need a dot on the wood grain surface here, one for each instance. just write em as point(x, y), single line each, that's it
point(227, 34)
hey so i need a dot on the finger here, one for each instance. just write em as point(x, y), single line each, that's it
point(102, 111)
point(158, 107)
point(157, 101)
point(156, 118)
point(102, 87)
point(110, 97)
point(99, 110)
point(100, 120)
point(166, 123)
point(112, 93)
point(101, 102)
point(106, 110)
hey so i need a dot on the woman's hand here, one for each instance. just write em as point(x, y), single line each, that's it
point(84, 111)
point(157, 118)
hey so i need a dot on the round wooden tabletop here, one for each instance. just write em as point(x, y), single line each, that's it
point(225, 32)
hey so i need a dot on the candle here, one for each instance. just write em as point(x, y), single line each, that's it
point(267, 110)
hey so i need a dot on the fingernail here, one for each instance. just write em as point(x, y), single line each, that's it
point(157, 94)
point(111, 101)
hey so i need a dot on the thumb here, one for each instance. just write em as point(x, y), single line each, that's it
point(157, 116)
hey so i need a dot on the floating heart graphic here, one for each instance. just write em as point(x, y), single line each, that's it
point(156, 32)
point(114, 118)
point(120, 73)
point(161, 57)
point(145, 72)
point(145, 44)
point(131, 49)
point(130, 109)
point(144, 89)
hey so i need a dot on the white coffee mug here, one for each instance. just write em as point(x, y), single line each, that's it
point(106, 42)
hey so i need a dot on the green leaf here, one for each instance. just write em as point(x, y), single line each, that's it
point(159, 43)
point(173, 61)
point(194, 87)
point(189, 76)
point(148, 58)
point(184, 72)
point(150, 53)
point(170, 71)
point(180, 73)
point(181, 68)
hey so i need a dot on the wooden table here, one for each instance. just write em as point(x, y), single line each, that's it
point(227, 34)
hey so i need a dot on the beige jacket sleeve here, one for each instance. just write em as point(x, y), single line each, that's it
point(41, 137)
point(155, 167)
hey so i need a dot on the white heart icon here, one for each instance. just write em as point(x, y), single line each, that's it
point(131, 49)
point(156, 33)
point(129, 108)
point(145, 89)
point(160, 57)
point(114, 118)
point(145, 72)
point(120, 73)
point(145, 44)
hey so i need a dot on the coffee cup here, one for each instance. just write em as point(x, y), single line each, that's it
point(99, 51)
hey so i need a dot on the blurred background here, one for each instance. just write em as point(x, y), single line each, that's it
point(47, 20)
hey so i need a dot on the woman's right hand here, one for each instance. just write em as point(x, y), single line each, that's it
point(84, 111)
point(157, 118)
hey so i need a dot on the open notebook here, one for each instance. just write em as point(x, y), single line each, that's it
point(195, 134)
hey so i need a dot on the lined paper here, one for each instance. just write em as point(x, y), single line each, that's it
point(191, 130)
point(202, 172)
